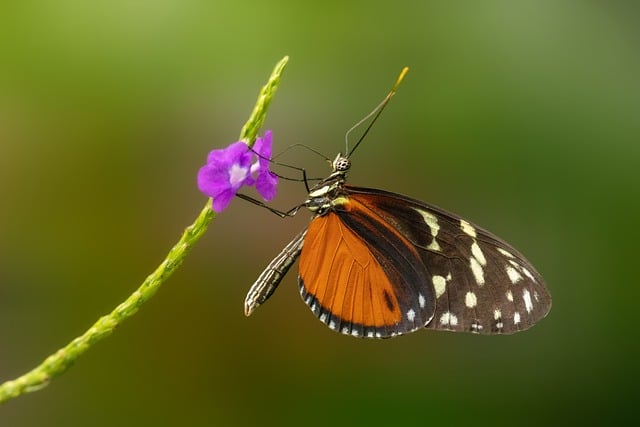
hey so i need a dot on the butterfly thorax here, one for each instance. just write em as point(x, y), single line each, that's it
point(330, 192)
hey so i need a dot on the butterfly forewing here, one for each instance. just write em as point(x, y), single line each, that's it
point(479, 283)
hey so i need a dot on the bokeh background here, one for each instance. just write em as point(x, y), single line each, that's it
point(523, 116)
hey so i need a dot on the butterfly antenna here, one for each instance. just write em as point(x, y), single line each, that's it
point(375, 113)
point(304, 178)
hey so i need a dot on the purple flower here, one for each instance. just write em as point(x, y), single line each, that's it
point(229, 169)
point(267, 181)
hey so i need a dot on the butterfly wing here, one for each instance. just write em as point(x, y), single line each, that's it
point(359, 288)
point(436, 270)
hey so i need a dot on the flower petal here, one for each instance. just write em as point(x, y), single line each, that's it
point(212, 181)
point(226, 171)
point(267, 181)
point(222, 200)
point(267, 185)
point(263, 147)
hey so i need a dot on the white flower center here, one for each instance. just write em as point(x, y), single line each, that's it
point(237, 174)
point(255, 167)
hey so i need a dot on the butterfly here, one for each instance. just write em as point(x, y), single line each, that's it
point(377, 264)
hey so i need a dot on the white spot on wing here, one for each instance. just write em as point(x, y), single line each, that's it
point(470, 299)
point(476, 269)
point(526, 296)
point(411, 315)
point(448, 319)
point(354, 333)
point(522, 269)
point(528, 274)
point(497, 314)
point(439, 284)
point(467, 228)
point(332, 325)
point(505, 253)
point(421, 300)
point(431, 221)
point(477, 253)
point(323, 317)
point(510, 295)
point(476, 262)
point(516, 318)
point(513, 274)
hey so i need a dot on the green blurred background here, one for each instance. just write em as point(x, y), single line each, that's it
point(522, 116)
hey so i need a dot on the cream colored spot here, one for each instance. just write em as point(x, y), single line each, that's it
point(431, 220)
point(439, 284)
point(509, 296)
point(477, 253)
point(421, 300)
point(476, 269)
point(497, 314)
point(528, 274)
point(467, 228)
point(470, 299)
point(526, 296)
point(411, 315)
point(449, 319)
point(505, 253)
point(516, 318)
point(513, 274)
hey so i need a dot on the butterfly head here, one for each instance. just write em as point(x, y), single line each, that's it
point(329, 192)
point(341, 164)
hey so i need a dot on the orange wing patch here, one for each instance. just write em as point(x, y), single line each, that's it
point(340, 274)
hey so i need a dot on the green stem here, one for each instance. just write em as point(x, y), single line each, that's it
point(253, 125)
point(62, 359)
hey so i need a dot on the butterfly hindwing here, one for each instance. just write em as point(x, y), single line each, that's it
point(361, 277)
point(479, 282)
